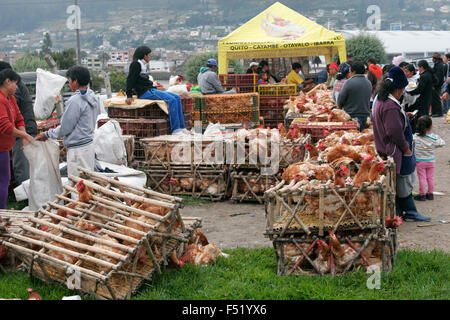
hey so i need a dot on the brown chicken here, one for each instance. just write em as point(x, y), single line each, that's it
point(313, 151)
point(107, 248)
point(308, 171)
point(342, 252)
point(64, 213)
point(33, 295)
point(323, 257)
point(85, 193)
point(83, 224)
point(375, 171)
point(340, 176)
point(60, 255)
point(198, 255)
point(340, 151)
point(363, 172)
point(338, 115)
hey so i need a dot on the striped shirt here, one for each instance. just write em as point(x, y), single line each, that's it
point(424, 146)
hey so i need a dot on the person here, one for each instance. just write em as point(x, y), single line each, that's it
point(424, 88)
point(138, 82)
point(446, 102)
point(12, 126)
point(77, 123)
point(438, 81)
point(370, 75)
point(264, 66)
point(263, 78)
point(341, 77)
point(393, 137)
point(403, 65)
point(349, 57)
point(354, 97)
point(386, 68)
point(294, 78)
point(378, 72)
point(322, 76)
point(21, 167)
point(208, 81)
point(332, 71)
point(253, 68)
point(411, 74)
point(425, 143)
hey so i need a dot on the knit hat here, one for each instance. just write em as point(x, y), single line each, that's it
point(344, 69)
point(334, 66)
point(398, 78)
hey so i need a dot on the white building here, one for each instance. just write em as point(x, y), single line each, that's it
point(159, 65)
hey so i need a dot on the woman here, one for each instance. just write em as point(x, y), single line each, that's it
point(411, 74)
point(12, 126)
point(342, 76)
point(394, 137)
point(138, 81)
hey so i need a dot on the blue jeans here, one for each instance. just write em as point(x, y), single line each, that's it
point(176, 116)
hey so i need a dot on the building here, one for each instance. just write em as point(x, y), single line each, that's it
point(159, 65)
point(92, 62)
point(119, 56)
point(410, 44)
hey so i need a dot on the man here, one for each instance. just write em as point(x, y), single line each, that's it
point(322, 76)
point(264, 67)
point(294, 78)
point(354, 97)
point(439, 72)
point(372, 62)
point(21, 167)
point(446, 102)
point(207, 79)
point(77, 123)
point(253, 68)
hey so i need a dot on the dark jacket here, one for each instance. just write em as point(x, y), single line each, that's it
point(354, 97)
point(25, 104)
point(137, 80)
point(424, 88)
point(389, 124)
point(439, 70)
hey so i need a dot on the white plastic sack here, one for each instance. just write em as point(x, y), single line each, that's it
point(108, 143)
point(48, 87)
point(180, 89)
point(213, 129)
point(45, 180)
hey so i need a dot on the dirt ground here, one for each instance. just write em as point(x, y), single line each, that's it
point(242, 225)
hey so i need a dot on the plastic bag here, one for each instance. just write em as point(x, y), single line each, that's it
point(195, 90)
point(213, 129)
point(48, 87)
point(108, 143)
point(45, 179)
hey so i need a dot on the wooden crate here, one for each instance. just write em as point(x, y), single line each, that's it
point(152, 111)
point(293, 209)
point(251, 185)
point(129, 143)
point(141, 128)
point(112, 255)
point(202, 181)
point(302, 256)
point(319, 130)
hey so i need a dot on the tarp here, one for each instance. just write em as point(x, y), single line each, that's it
point(279, 32)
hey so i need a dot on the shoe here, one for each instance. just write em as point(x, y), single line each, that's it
point(430, 196)
point(415, 217)
point(420, 197)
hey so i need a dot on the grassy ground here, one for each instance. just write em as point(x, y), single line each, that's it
point(251, 274)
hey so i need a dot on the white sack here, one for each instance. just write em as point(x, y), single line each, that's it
point(45, 180)
point(48, 87)
point(109, 145)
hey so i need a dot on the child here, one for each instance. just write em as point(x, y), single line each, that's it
point(77, 123)
point(425, 142)
point(263, 78)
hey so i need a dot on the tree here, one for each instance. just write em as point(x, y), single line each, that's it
point(193, 65)
point(47, 44)
point(365, 46)
point(29, 63)
point(65, 59)
point(118, 81)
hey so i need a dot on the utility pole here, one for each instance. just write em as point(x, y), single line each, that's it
point(78, 37)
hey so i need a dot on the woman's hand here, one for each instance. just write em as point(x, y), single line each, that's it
point(129, 101)
point(26, 139)
point(41, 137)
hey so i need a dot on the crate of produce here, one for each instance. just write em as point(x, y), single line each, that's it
point(277, 90)
point(319, 130)
point(106, 243)
point(249, 80)
point(314, 198)
point(141, 128)
point(205, 182)
point(336, 254)
point(251, 185)
point(152, 111)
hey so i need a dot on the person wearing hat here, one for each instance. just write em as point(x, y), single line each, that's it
point(332, 72)
point(439, 72)
point(253, 68)
point(264, 66)
point(355, 95)
point(341, 77)
point(208, 81)
point(394, 137)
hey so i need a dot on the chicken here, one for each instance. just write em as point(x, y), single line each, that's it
point(322, 261)
point(85, 193)
point(60, 255)
point(375, 171)
point(282, 130)
point(187, 184)
point(340, 176)
point(64, 213)
point(313, 151)
point(363, 172)
point(83, 224)
point(308, 171)
point(393, 223)
point(366, 138)
point(33, 295)
point(199, 255)
point(198, 238)
point(338, 115)
point(342, 252)
point(340, 151)
point(107, 248)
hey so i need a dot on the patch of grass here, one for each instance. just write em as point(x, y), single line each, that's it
point(251, 274)
point(190, 201)
point(12, 204)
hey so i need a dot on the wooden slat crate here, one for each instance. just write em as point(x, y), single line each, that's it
point(277, 90)
point(319, 130)
point(152, 111)
point(202, 181)
point(111, 239)
point(251, 185)
point(305, 256)
point(293, 209)
point(141, 128)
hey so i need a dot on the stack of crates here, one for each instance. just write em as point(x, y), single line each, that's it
point(272, 100)
point(244, 82)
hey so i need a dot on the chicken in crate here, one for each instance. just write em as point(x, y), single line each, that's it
point(337, 253)
point(105, 243)
point(197, 181)
point(251, 185)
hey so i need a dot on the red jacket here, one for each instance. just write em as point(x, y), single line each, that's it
point(376, 70)
point(10, 118)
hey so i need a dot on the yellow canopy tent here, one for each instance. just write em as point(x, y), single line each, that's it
point(279, 32)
